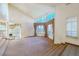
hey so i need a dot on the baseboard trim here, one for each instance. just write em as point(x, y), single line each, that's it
point(72, 44)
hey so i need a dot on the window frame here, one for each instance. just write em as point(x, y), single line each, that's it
point(50, 30)
point(38, 29)
point(3, 26)
point(71, 36)
point(3, 30)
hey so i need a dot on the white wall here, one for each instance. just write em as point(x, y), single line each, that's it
point(17, 16)
point(60, 22)
point(62, 12)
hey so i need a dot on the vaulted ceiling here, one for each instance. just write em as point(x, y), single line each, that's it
point(34, 10)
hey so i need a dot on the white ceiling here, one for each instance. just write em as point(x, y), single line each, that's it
point(36, 10)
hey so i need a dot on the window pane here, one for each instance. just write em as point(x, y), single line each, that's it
point(69, 33)
point(2, 27)
point(50, 30)
point(72, 26)
point(40, 29)
point(69, 26)
point(74, 33)
point(45, 18)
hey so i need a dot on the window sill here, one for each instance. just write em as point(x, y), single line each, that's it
point(74, 37)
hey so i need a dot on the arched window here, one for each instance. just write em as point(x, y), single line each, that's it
point(71, 27)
